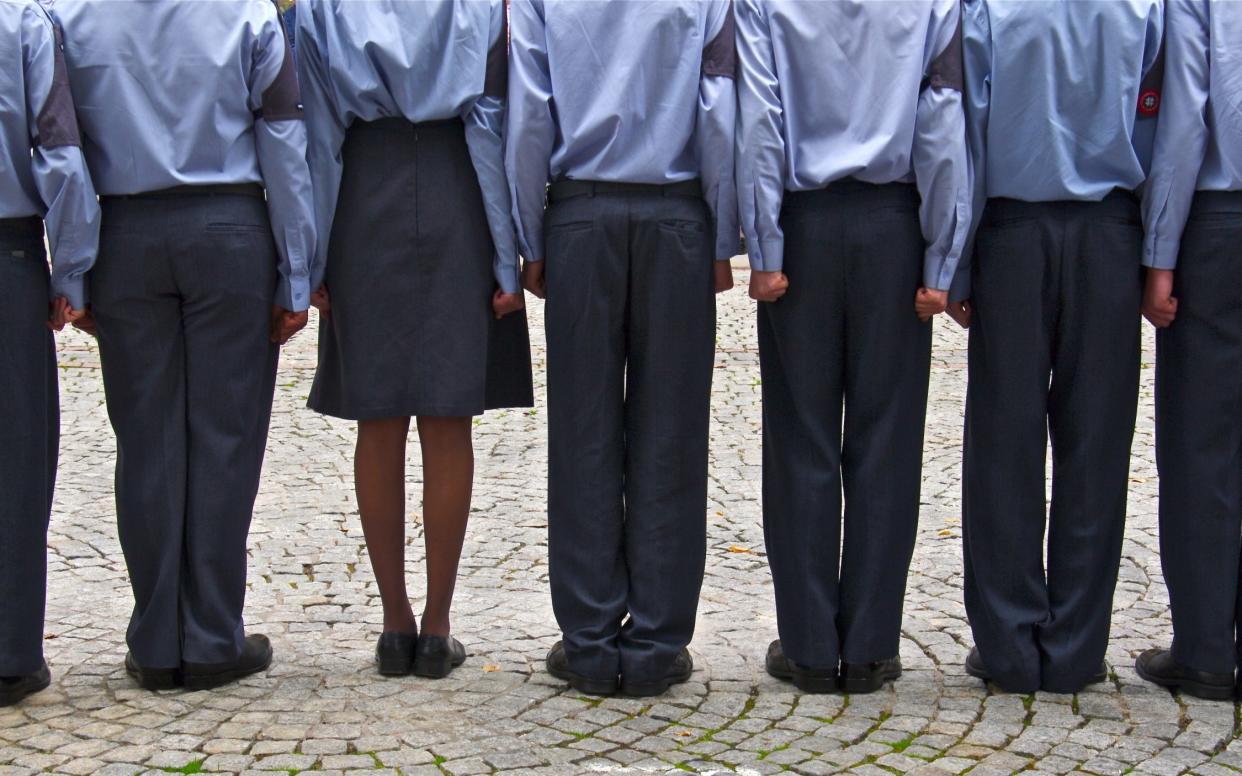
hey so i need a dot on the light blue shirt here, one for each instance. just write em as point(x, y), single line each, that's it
point(1199, 136)
point(622, 91)
point(862, 89)
point(42, 172)
point(421, 61)
point(195, 92)
point(1053, 98)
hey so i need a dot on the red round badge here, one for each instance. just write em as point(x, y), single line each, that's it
point(1149, 102)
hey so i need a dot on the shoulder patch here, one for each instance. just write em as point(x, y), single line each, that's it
point(1150, 89)
point(720, 55)
point(945, 71)
point(282, 101)
point(56, 124)
point(496, 82)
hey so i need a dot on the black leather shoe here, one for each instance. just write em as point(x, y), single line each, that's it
point(862, 678)
point(394, 654)
point(558, 665)
point(1158, 667)
point(436, 656)
point(14, 688)
point(805, 679)
point(975, 666)
point(256, 656)
point(152, 678)
point(677, 673)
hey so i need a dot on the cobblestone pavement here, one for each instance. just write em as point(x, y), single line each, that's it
point(322, 707)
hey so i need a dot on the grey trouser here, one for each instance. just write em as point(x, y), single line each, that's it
point(183, 293)
point(844, 343)
point(1199, 436)
point(29, 442)
point(630, 331)
point(1054, 353)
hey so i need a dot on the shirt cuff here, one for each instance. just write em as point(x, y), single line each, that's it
point(507, 277)
point(293, 295)
point(770, 256)
point(73, 289)
point(935, 272)
point(1161, 254)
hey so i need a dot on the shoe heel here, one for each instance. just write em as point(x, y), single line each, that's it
point(818, 685)
point(394, 665)
point(433, 666)
point(1208, 692)
point(859, 686)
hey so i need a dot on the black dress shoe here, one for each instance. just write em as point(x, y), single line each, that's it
point(862, 678)
point(805, 679)
point(436, 656)
point(256, 656)
point(975, 666)
point(394, 654)
point(14, 688)
point(1159, 667)
point(677, 673)
point(558, 665)
point(152, 678)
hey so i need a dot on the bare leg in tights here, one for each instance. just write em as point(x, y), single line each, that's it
point(379, 476)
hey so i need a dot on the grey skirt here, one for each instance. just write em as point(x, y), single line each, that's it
point(409, 275)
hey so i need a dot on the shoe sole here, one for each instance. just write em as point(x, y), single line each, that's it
point(649, 689)
point(1208, 692)
point(600, 687)
point(12, 699)
point(815, 685)
point(169, 681)
point(434, 668)
point(211, 681)
point(870, 684)
point(393, 666)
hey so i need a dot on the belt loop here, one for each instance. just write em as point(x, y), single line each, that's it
point(591, 190)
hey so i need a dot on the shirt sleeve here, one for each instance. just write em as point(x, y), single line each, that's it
point(532, 129)
point(485, 124)
point(60, 174)
point(280, 139)
point(977, 79)
point(325, 132)
point(717, 122)
point(941, 169)
point(761, 144)
point(1181, 134)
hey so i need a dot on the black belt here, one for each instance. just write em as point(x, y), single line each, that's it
point(397, 124)
point(852, 188)
point(28, 228)
point(567, 189)
point(206, 190)
point(1223, 202)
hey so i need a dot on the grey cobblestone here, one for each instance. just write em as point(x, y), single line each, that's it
point(322, 709)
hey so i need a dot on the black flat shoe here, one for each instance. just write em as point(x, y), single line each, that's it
point(394, 654)
point(1158, 667)
point(677, 673)
point(152, 678)
point(810, 680)
point(436, 656)
point(256, 656)
point(15, 688)
point(862, 678)
point(558, 665)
